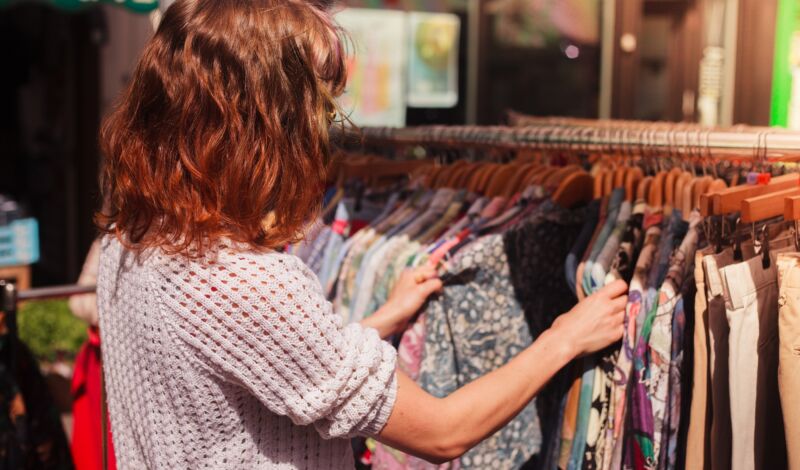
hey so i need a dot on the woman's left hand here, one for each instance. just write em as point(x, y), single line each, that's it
point(408, 296)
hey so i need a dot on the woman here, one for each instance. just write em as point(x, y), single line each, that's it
point(221, 352)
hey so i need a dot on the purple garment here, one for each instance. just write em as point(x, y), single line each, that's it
point(640, 428)
point(634, 316)
point(670, 448)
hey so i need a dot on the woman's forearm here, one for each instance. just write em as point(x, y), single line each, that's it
point(443, 429)
point(386, 320)
point(512, 387)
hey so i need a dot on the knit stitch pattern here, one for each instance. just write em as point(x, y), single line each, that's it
point(236, 361)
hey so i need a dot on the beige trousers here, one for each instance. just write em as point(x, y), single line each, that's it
point(697, 443)
point(789, 352)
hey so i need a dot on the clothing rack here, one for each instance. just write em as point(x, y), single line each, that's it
point(10, 298)
point(625, 137)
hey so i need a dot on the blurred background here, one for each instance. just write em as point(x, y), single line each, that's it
point(717, 62)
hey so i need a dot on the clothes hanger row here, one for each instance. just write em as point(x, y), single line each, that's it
point(640, 168)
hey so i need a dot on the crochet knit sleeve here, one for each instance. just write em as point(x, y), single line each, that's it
point(262, 322)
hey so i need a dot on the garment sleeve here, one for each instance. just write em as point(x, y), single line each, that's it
point(262, 322)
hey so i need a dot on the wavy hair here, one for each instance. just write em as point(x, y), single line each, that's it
point(223, 131)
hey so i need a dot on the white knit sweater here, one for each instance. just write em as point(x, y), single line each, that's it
point(235, 361)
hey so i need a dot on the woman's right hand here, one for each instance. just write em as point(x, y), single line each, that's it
point(595, 322)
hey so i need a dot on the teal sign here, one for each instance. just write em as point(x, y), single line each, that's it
point(142, 6)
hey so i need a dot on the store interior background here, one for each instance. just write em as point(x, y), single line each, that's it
point(711, 61)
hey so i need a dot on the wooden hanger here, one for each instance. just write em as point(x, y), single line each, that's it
point(474, 177)
point(700, 187)
point(516, 184)
point(766, 206)
point(643, 189)
point(599, 183)
point(576, 188)
point(540, 176)
point(553, 182)
point(499, 183)
point(439, 175)
point(791, 208)
point(464, 176)
point(608, 182)
point(487, 173)
point(619, 176)
point(633, 177)
point(656, 195)
point(525, 176)
point(670, 186)
point(706, 200)
point(683, 194)
point(450, 173)
point(728, 201)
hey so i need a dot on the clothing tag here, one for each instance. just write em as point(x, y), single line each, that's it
point(754, 178)
point(339, 227)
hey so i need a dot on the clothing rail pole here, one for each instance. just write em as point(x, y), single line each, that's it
point(56, 292)
point(773, 144)
point(8, 306)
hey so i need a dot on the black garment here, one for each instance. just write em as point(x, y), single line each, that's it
point(31, 434)
point(536, 251)
point(629, 248)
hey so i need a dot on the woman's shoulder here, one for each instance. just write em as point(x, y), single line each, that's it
point(223, 263)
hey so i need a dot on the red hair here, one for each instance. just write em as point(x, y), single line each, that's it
point(223, 131)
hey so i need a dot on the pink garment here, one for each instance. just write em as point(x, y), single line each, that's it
point(409, 353)
point(409, 358)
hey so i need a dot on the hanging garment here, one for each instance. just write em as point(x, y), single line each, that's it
point(601, 403)
point(582, 242)
point(625, 261)
point(580, 291)
point(633, 312)
point(340, 231)
point(409, 358)
point(609, 251)
point(681, 367)
point(475, 326)
point(720, 441)
point(789, 356)
point(31, 434)
point(697, 448)
point(584, 412)
point(536, 251)
point(570, 418)
point(87, 428)
point(660, 358)
point(646, 408)
point(751, 299)
point(614, 206)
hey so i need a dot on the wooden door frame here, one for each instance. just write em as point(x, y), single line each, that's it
point(685, 51)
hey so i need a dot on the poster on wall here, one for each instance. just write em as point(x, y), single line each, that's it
point(376, 54)
point(433, 60)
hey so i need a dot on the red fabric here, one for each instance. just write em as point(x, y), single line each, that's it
point(357, 225)
point(87, 431)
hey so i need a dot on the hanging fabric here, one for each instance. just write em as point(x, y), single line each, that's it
point(522, 222)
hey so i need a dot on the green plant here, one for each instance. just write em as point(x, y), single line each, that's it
point(48, 328)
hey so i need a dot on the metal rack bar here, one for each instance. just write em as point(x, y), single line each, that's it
point(624, 136)
point(56, 292)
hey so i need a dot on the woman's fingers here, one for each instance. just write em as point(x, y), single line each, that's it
point(431, 285)
point(615, 289)
point(618, 304)
point(424, 273)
